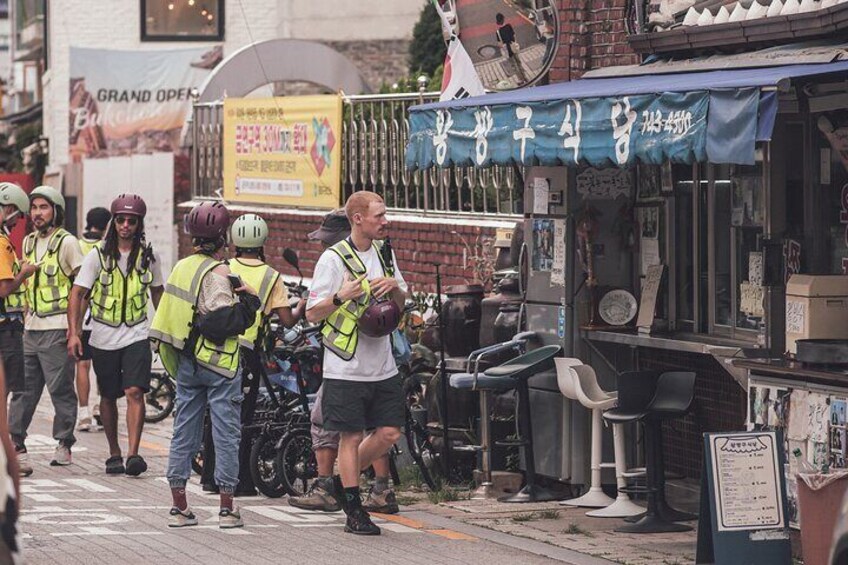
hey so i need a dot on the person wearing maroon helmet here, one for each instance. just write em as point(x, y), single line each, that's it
point(117, 278)
point(196, 328)
point(362, 387)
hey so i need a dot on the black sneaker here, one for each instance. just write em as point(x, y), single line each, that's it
point(136, 465)
point(359, 523)
point(115, 465)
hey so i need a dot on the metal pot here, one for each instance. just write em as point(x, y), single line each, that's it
point(461, 313)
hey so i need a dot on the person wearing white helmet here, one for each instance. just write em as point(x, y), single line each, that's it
point(14, 205)
point(248, 234)
point(57, 257)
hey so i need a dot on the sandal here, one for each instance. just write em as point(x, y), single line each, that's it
point(115, 465)
point(136, 465)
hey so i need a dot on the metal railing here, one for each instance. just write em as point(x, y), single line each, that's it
point(375, 131)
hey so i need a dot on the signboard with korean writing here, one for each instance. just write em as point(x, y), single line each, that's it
point(743, 500)
point(598, 132)
point(284, 151)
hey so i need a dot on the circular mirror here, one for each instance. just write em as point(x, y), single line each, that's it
point(512, 44)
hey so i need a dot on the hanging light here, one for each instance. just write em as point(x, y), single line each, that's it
point(204, 11)
point(210, 17)
point(191, 2)
point(170, 5)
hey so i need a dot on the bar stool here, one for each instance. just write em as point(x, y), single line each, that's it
point(672, 398)
point(474, 380)
point(592, 397)
point(519, 371)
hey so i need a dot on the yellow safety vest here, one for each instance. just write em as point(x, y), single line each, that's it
point(339, 332)
point(117, 298)
point(48, 289)
point(87, 245)
point(14, 303)
point(171, 329)
point(262, 278)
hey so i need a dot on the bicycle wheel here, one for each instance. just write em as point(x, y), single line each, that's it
point(197, 461)
point(422, 452)
point(159, 400)
point(296, 462)
point(263, 468)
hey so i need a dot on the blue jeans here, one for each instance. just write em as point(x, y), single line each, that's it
point(197, 386)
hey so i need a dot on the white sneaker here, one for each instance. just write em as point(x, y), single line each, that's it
point(229, 518)
point(23, 464)
point(84, 424)
point(181, 518)
point(62, 456)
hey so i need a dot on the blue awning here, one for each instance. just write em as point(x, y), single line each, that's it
point(715, 116)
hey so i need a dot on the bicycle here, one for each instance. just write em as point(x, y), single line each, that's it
point(161, 398)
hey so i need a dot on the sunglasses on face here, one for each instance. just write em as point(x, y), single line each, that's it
point(129, 220)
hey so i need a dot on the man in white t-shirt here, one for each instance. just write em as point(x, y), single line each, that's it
point(364, 391)
point(114, 281)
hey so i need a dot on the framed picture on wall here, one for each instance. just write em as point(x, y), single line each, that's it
point(649, 183)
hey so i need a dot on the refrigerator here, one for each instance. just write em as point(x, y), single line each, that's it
point(547, 282)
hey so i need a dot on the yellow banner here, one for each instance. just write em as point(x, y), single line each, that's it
point(284, 151)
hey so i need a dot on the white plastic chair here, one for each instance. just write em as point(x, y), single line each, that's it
point(591, 396)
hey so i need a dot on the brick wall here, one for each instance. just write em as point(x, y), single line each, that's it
point(417, 244)
point(719, 406)
point(592, 35)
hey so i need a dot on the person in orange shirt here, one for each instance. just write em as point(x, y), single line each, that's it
point(14, 204)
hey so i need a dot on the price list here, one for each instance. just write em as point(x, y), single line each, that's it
point(747, 482)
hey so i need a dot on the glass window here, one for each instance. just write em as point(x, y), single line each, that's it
point(188, 20)
point(684, 243)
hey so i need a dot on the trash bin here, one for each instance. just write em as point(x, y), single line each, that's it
point(819, 502)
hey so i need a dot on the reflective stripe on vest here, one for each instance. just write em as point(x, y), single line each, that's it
point(86, 245)
point(48, 289)
point(263, 278)
point(117, 298)
point(14, 303)
point(339, 332)
point(174, 319)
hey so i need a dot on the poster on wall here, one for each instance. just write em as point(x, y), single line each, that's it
point(543, 245)
point(284, 151)
point(130, 102)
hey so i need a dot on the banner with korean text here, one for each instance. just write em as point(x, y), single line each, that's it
point(284, 151)
point(599, 132)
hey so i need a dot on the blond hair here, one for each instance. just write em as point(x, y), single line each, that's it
point(358, 203)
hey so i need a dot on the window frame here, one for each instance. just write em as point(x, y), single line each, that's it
point(219, 36)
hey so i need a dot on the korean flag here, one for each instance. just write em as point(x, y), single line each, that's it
point(460, 78)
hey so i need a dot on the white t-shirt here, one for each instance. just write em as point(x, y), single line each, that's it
point(106, 337)
point(69, 258)
point(373, 360)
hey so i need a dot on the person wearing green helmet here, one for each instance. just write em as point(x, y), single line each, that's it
point(14, 204)
point(57, 257)
point(248, 235)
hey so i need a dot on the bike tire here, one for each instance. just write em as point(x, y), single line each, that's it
point(296, 462)
point(160, 399)
point(197, 461)
point(423, 454)
point(393, 470)
point(263, 466)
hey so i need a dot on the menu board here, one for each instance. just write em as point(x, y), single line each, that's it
point(746, 477)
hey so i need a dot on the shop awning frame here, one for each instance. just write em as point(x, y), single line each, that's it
point(723, 114)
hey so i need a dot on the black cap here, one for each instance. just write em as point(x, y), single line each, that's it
point(97, 218)
point(334, 228)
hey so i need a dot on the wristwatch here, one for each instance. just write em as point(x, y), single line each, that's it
point(336, 300)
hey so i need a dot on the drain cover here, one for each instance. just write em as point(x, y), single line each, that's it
point(489, 52)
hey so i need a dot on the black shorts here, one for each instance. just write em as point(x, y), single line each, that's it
point(12, 351)
point(86, 348)
point(353, 406)
point(121, 369)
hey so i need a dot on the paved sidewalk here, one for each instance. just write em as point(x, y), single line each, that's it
point(78, 514)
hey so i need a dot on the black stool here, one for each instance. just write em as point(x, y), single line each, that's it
point(517, 372)
point(672, 398)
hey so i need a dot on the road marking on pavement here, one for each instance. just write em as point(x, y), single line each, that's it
point(97, 531)
point(40, 444)
point(294, 516)
point(88, 485)
point(153, 446)
point(74, 518)
point(43, 498)
point(408, 522)
point(450, 534)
